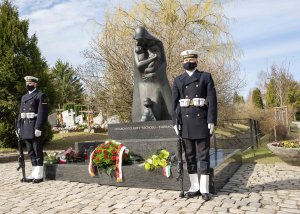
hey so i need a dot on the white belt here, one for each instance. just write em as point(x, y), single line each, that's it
point(29, 115)
point(198, 102)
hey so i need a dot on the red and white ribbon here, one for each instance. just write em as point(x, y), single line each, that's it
point(91, 167)
point(119, 158)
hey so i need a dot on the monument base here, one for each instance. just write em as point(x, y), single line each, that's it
point(224, 163)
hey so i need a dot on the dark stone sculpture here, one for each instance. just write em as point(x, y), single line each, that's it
point(150, 77)
point(148, 113)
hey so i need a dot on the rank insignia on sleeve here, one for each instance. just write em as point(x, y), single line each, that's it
point(44, 101)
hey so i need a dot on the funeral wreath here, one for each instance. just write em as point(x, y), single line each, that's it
point(108, 157)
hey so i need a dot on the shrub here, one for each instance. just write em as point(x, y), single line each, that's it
point(281, 132)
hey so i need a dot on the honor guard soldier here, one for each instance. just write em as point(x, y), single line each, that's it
point(32, 118)
point(195, 106)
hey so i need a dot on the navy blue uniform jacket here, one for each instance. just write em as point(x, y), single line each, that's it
point(194, 119)
point(35, 102)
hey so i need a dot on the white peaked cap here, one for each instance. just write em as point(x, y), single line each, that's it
point(190, 54)
point(31, 79)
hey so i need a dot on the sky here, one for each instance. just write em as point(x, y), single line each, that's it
point(267, 31)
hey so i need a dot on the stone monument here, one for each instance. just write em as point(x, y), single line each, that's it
point(150, 78)
point(151, 128)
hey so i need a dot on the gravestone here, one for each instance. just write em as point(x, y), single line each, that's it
point(52, 119)
point(68, 118)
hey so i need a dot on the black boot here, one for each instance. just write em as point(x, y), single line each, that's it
point(192, 194)
point(27, 180)
point(206, 196)
point(35, 181)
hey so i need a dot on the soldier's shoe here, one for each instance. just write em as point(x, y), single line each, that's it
point(27, 180)
point(206, 196)
point(35, 181)
point(192, 194)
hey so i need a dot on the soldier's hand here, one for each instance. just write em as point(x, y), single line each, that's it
point(18, 132)
point(211, 128)
point(176, 130)
point(37, 133)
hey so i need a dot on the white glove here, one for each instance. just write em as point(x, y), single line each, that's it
point(175, 128)
point(37, 133)
point(211, 128)
point(18, 132)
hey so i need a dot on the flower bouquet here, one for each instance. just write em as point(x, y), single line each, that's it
point(69, 156)
point(51, 158)
point(108, 157)
point(161, 159)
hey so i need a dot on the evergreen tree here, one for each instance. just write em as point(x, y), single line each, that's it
point(271, 98)
point(68, 85)
point(237, 98)
point(293, 97)
point(257, 99)
point(19, 56)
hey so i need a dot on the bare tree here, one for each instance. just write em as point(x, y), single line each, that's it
point(180, 25)
point(280, 78)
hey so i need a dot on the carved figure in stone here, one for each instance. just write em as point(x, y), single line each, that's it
point(148, 113)
point(150, 77)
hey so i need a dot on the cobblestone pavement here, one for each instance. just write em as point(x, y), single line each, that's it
point(272, 188)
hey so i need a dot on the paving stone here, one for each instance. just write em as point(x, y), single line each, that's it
point(172, 212)
point(290, 210)
point(134, 207)
point(154, 200)
point(220, 209)
point(207, 207)
point(193, 205)
point(147, 209)
point(272, 207)
point(187, 210)
point(121, 211)
point(266, 211)
point(206, 212)
point(159, 211)
point(247, 208)
point(138, 212)
point(235, 210)
point(252, 204)
point(230, 205)
point(289, 202)
point(241, 203)
point(256, 188)
point(292, 206)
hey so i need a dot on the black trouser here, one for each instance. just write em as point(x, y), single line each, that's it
point(197, 150)
point(35, 151)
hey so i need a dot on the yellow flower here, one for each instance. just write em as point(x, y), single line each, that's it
point(147, 166)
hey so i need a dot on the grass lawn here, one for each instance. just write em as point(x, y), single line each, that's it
point(62, 141)
point(229, 130)
point(7, 150)
point(263, 154)
point(260, 155)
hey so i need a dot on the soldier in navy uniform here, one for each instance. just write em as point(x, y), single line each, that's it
point(195, 103)
point(32, 118)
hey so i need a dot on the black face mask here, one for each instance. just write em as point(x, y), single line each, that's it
point(30, 87)
point(189, 65)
